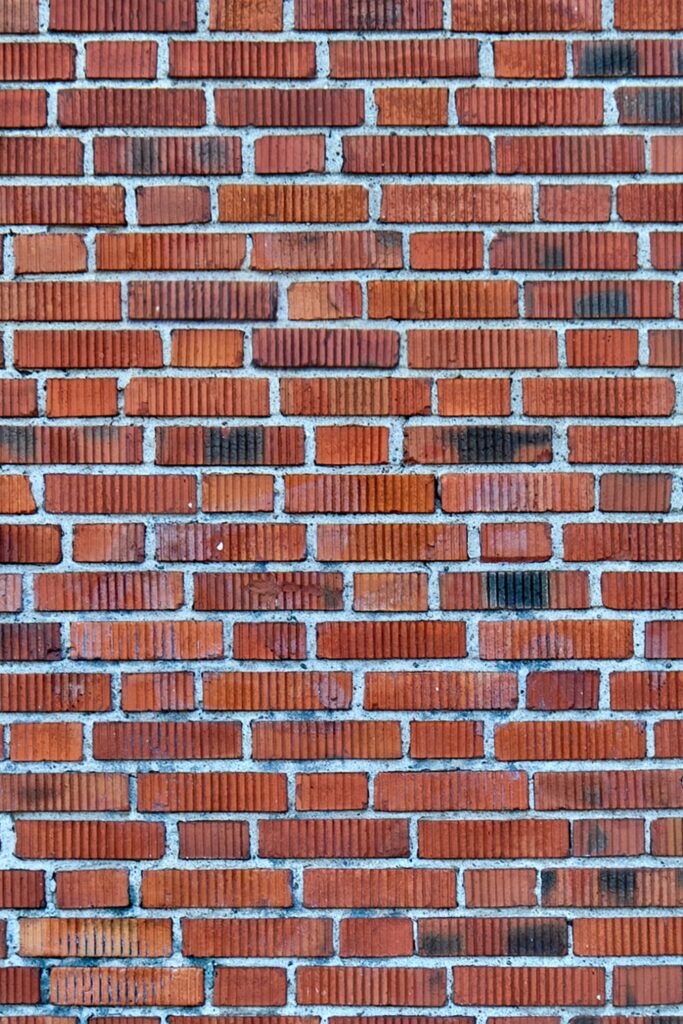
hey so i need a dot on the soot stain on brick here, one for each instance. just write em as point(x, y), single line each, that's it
point(523, 590)
point(18, 445)
point(548, 883)
point(596, 839)
point(234, 446)
point(551, 256)
point(619, 884)
point(440, 943)
point(609, 58)
point(651, 106)
point(603, 302)
point(500, 444)
point(539, 938)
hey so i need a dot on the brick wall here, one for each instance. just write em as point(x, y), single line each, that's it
point(341, 511)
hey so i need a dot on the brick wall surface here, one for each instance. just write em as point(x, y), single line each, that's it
point(341, 511)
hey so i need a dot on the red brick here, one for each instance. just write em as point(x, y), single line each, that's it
point(241, 59)
point(127, 986)
point(78, 890)
point(531, 107)
point(130, 107)
point(371, 986)
point(571, 154)
point(575, 204)
point(513, 887)
point(443, 791)
point(173, 204)
point(493, 840)
point(560, 639)
point(532, 16)
point(233, 15)
point(404, 58)
point(114, 59)
point(412, 107)
point(157, 691)
point(529, 986)
point(49, 254)
point(250, 986)
point(529, 58)
point(295, 154)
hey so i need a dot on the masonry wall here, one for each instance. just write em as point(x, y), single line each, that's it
point(341, 511)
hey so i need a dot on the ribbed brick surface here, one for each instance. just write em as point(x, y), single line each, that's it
point(341, 619)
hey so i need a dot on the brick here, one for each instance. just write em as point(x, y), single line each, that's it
point(127, 986)
point(74, 397)
point(293, 204)
point(343, 396)
point(564, 251)
point(517, 492)
point(533, 16)
point(485, 349)
point(94, 937)
point(300, 154)
point(300, 347)
point(569, 741)
point(348, 494)
point(515, 542)
point(493, 840)
point(328, 250)
point(371, 986)
point(67, 349)
point(351, 446)
point(412, 107)
point(529, 58)
point(529, 986)
point(609, 887)
point(229, 446)
point(570, 154)
point(215, 791)
point(598, 347)
point(404, 58)
point(391, 639)
point(441, 790)
point(331, 791)
point(54, 741)
point(493, 937)
point(289, 108)
point(40, 155)
point(563, 690)
point(212, 840)
point(624, 837)
point(649, 105)
point(173, 204)
point(415, 154)
point(338, 837)
point(647, 16)
point(118, 542)
point(589, 301)
point(158, 16)
point(49, 254)
point(84, 890)
point(216, 887)
point(165, 640)
point(130, 107)
point(147, 155)
point(241, 59)
point(514, 590)
point(514, 887)
point(115, 59)
point(530, 107)
point(42, 693)
point(473, 204)
point(250, 986)
point(390, 592)
point(338, 300)
point(231, 16)
point(197, 300)
point(90, 840)
point(209, 348)
point(599, 396)
point(575, 204)
point(439, 691)
point(607, 790)
point(392, 542)
point(326, 740)
point(385, 937)
point(560, 639)
point(641, 986)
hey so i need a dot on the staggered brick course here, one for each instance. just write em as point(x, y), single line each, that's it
point(340, 514)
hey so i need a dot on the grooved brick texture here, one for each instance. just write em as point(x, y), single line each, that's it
point(341, 511)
